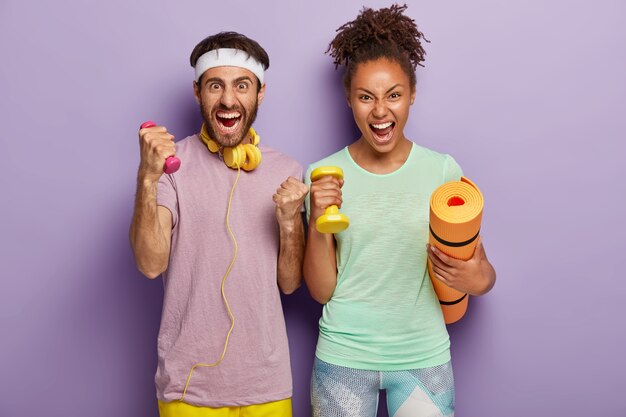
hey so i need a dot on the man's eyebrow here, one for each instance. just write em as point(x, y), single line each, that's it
point(214, 79)
point(243, 78)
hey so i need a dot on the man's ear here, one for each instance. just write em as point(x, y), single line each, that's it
point(261, 93)
point(196, 91)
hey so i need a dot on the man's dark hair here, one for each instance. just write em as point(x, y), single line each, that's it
point(232, 40)
point(374, 34)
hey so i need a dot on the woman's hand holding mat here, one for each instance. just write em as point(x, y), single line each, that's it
point(470, 277)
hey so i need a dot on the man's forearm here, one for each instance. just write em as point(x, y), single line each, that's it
point(291, 254)
point(148, 238)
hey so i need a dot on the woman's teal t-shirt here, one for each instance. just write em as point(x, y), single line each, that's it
point(384, 314)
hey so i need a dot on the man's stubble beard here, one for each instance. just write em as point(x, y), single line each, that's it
point(249, 119)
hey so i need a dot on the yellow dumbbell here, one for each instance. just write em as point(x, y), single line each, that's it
point(331, 221)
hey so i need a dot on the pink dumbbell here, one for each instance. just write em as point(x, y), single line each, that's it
point(172, 163)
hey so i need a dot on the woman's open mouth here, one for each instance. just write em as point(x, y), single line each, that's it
point(382, 132)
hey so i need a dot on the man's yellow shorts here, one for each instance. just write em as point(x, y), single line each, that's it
point(280, 408)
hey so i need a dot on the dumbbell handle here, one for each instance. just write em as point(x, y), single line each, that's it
point(171, 163)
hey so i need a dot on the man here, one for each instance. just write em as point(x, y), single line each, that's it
point(223, 246)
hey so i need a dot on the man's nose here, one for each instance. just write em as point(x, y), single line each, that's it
point(228, 98)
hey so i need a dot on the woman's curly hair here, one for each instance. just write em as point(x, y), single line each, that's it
point(384, 33)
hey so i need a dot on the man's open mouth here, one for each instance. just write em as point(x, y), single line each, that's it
point(227, 122)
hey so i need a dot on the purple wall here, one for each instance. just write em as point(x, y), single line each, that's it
point(529, 96)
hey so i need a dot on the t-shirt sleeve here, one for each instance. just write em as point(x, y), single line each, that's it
point(451, 170)
point(168, 197)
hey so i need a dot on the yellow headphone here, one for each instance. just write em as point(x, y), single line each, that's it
point(245, 156)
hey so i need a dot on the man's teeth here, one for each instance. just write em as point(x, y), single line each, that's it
point(382, 125)
point(229, 115)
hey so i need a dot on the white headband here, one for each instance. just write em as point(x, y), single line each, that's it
point(228, 57)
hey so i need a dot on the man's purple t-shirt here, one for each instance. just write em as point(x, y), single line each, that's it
point(195, 321)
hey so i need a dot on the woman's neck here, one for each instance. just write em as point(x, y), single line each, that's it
point(380, 163)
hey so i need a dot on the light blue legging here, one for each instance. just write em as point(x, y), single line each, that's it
point(337, 391)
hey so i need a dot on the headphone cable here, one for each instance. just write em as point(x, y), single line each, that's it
point(230, 313)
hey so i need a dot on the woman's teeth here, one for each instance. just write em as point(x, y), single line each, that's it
point(382, 125)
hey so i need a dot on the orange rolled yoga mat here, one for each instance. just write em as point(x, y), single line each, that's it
point(456, 210)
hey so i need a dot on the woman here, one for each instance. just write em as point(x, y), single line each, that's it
point(382, 326)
